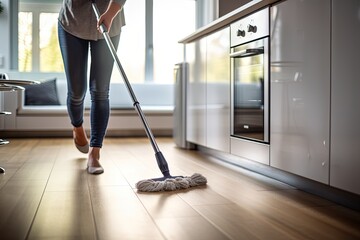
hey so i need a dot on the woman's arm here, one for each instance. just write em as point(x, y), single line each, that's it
point(107, 17)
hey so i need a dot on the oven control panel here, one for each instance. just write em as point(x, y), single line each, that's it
point(251, 27)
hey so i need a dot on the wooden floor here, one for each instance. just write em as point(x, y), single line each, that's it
point(47, 194)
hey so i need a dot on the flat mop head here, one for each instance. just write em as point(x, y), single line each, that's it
point(170, 183)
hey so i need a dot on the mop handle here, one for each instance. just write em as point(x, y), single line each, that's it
point(136, 104)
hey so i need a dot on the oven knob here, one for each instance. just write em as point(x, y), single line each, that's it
point(241, 33)
point(252, 28)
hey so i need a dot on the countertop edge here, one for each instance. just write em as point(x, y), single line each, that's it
point(227, 19)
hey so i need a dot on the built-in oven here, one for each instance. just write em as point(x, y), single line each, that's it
point(249, 56)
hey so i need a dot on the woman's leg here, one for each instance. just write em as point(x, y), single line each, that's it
point(75, 56)
point(100, 74)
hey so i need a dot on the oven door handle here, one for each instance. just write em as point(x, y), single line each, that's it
point(248, 52)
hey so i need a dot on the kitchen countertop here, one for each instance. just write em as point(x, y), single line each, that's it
point(227, 19)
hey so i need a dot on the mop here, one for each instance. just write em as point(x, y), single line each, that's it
point(167, 182)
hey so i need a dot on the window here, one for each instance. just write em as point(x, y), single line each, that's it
point(25, 41)
point(153, 43)
point(131, 50)
point(50, 56)
point(173, 20)
point(148, 47)
point(38, 46)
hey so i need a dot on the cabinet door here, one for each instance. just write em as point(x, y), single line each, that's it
point(196, 92)
point(218, 91)
point(345, 97)
point(300, 88)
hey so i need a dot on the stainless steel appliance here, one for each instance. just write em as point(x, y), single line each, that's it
point(179, 132)
point(250, 77)
point(249, 53)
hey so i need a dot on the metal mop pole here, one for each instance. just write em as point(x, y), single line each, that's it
point(159, 156)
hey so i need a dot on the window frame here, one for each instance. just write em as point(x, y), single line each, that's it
point(36, 9)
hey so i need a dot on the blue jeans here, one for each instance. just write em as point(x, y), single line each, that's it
point(75, 53)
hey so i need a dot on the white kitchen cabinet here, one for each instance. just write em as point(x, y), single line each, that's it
point(208, 91)
point(196, 92)
point(300, 88)
point(345, 96)
point(218, 91)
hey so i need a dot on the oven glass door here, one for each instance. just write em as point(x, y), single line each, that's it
point(250, 91)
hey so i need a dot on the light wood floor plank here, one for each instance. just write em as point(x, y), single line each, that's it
point(120, 215)
point(19, 200)
point(168, 205)
point(190, 228)
point(64, 215)
point(241, 223)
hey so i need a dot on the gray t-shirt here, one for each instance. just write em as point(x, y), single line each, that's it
point(78, 18)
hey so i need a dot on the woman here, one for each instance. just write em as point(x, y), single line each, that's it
point(78, 36)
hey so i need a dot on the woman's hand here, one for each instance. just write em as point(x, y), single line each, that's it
point(107, 17)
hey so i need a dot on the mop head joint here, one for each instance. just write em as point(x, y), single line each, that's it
point(171, 183)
